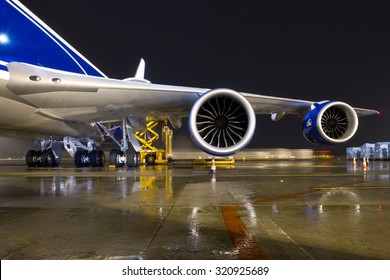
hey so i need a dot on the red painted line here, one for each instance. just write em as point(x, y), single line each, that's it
point(245, 242)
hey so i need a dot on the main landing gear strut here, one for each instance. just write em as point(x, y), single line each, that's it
point(126, 154)
point(129, 153)
point(84, 155)
point(49, 155)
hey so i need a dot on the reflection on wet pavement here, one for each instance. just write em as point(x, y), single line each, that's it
point(269, 209)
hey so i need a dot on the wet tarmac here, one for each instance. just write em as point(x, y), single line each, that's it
point(312, 209)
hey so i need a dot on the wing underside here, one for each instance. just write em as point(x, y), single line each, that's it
point(80, 98)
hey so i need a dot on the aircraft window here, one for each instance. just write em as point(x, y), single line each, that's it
point(56, 80)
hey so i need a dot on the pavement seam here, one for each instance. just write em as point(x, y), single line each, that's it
point(166, 217)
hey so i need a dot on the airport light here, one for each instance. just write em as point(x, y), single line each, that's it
point(4, 39)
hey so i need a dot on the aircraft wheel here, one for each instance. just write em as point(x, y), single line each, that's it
point(80, 159)
point(102, 158)
point(97, 158)
point(56, 162)
point(47, 158)
point(131, 159)
point(150, 159)
point(115, 156)
point(32, 158)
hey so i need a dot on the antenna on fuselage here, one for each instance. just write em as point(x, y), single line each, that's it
point(139, 74)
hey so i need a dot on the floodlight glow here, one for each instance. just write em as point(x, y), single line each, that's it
point(3, 38)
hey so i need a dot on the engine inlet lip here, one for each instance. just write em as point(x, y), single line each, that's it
point(222, 151)
point(352, 119)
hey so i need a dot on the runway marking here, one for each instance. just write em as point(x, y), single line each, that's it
point(245, 242)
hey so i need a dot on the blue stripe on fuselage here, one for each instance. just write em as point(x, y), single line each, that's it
point(24, 39)
point(3, 68)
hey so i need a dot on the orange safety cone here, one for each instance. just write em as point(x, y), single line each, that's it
point(354, 162)
point(213, 168)
point(364, 164)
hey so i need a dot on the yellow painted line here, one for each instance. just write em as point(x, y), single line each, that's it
point(245, 242)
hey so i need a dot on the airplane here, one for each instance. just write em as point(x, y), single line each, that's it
point(52, 93)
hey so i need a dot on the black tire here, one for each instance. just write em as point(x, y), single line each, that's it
point(113, 159)
point(102, 158)
point(150, 159)
point(32, 158)
point(47, 158)
point(79, 159)
point(96, 158)
point(131, 159)
point(39, 158)
point(56, 162)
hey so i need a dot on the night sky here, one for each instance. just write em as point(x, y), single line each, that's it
point(313, 50)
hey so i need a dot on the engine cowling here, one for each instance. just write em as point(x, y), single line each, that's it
point(222, 122)
point(330, 122)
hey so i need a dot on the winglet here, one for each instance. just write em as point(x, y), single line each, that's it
point(140, 74)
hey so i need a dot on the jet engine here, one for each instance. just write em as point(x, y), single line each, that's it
point(330, 122)
point(222, 122)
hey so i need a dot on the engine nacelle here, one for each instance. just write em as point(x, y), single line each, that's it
point(330, 122)
point(222, 122)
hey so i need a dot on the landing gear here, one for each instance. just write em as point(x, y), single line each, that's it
point(42, 159)
point(48, 159)
point(97, 158)
point(81, 159)
point(49, 155)
point(85, 159)
point(130, 153)
point(33, 158)
point(126, 154)
point(84, 155)
point(119, 158)
point(133, 159)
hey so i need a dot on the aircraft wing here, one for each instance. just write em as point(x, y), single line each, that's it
point(263, 104)
point(49, 88)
